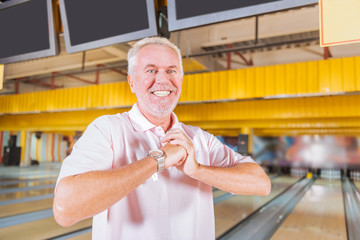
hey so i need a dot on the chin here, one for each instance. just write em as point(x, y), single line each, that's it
point(161, 111)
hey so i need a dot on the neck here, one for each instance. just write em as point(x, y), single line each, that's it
point(165, 122)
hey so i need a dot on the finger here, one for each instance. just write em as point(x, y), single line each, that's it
point(188, 147)
point(174, 135)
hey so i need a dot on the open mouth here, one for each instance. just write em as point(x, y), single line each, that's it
point(161, 93)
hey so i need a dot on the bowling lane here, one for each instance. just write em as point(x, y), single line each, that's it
point(357, 184)
point(40, 229)
point(85, 236)
point(231, 211)
point(18, 208)
point(318, 216)
point(17, 183)
point(26, 194)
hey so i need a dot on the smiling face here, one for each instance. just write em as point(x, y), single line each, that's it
point(157, 80)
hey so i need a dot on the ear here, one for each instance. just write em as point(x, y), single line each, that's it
point(131, 83)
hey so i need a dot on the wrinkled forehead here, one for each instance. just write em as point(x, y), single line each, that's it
point(158, 55)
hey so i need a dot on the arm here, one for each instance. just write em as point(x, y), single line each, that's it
point(243, 178)
point(82, 196)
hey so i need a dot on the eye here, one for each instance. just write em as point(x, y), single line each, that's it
point(171, 71)
point(151, 71)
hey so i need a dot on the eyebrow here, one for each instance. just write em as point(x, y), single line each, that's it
point(153, 65)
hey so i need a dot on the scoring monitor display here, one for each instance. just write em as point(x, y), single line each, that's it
point(191, 13)
point(91, 24)
point(27, 30)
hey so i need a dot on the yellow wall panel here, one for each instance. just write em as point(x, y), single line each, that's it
point(335, 75)
point(269, 81)
point(280, 79)
point(301, 78)
point(206, 86)
point(240, 84)
point(250, 83)
point(290, 75)
point(324, 78)
point(232, 84)
point(214, 85)
point(223, 85)
point(312, 76)
point(357, 73)
point(183, 96)
point(348, 74)
point(193, 85)
point(259, 82)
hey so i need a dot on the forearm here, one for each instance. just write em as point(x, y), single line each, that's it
point(85, 195)
point(244, 178)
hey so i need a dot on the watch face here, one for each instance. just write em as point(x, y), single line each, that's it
point(156, 153)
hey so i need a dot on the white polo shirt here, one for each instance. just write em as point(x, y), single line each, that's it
point(174, 207)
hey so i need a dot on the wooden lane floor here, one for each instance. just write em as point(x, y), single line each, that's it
point(231, 211)
point(26, 207)
point(44, 170)
point(26, 196)
point(318, 216)
point(41, 229)
point(357, 184)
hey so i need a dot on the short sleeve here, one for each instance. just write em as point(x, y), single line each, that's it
point(221, 155)
point(93, 151)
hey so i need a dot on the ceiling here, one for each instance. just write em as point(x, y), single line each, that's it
point(282, 37)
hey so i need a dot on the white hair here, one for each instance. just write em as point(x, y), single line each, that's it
point(134, 50)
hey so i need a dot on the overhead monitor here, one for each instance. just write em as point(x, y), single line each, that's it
point(92, 24)
point(27, 30)
point(192, 13)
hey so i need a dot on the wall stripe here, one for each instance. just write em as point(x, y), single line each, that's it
point(43, 147)
point(47, 148)
point(33, 147)
point(18, 137)
point(59, 148)
point(53, 147)
point(38, 150)
point(56, 141)
point(2, 147)
point(22, 144)
point(48, 143)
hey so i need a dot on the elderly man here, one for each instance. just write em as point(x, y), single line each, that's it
point(143, 174)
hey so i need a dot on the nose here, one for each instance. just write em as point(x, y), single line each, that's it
point(161, 77)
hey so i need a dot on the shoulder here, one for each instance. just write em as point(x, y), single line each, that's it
point(111, 120)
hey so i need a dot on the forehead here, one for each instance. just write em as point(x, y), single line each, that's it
point(157, 55)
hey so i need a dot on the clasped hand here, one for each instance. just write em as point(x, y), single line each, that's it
point(180, 152)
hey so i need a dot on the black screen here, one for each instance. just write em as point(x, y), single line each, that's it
point(193, 8)
point(91, 20)
point(24, 28)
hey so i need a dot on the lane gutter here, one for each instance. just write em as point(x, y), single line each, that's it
point(351, 197)
point(263, 223)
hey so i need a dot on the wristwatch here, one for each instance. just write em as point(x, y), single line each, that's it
point(159, 155)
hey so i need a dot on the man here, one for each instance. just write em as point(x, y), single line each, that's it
point(136, 193)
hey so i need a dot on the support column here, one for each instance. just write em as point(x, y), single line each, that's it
point(25, 141)
point(249, 132)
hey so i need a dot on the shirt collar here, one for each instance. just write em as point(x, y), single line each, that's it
point(140, 123)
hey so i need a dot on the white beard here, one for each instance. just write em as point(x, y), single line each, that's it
point(161, 110)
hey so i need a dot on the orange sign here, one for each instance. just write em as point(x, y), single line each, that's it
point(339, 22)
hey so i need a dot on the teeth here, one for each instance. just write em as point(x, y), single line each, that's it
point(161, 93)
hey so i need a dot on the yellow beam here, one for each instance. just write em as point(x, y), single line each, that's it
point(318, 112)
